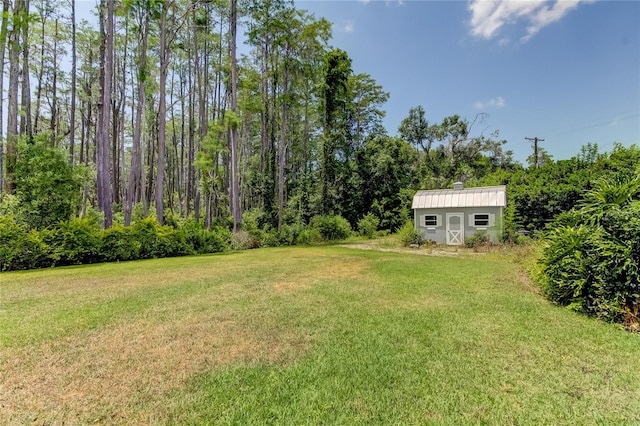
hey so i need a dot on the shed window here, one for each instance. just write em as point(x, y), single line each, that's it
point(481, 219)
point(431, 220)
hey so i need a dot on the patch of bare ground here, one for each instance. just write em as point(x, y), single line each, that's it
point(423, 250)
point(124, 372)
point(346, 268)
point(121, 373)
point(65, 284)
point(102, 377)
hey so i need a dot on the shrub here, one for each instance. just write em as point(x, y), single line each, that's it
point(288, 234)
point(159, 240)
point(331, 227)
point(477, 239)
point(368, 225)
point(47, 186)
point(309, 236)
point(201, 240)
point(120, 243)
point(242, 240)
point(408, 235)
point(594, 266)
point(21, 248)
point(76, 242)
point(170, 242)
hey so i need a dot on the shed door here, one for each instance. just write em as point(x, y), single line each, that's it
point(455, 229)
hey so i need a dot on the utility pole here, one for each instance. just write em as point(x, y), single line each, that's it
point(535, 141)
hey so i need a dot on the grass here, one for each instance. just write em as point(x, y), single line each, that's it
point(305, 336)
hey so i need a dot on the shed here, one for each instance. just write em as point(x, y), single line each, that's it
point(448, 216)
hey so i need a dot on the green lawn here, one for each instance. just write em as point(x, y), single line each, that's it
point(306, 336)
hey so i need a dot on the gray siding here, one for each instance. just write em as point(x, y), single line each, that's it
point(438, 233)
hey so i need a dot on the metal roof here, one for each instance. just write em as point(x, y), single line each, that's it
point(487, 196)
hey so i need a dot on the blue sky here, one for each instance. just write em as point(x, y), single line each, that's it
point(565, 71)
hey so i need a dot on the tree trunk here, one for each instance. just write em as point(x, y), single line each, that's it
point(135, 171)
point(12, 95)
point(40, 75)
point(103, 141)
point(282, 150)
point(162, 114)
point(74, 60)
point(235, 188)
point(53, 125)
point(25, 119)
point(3, 45)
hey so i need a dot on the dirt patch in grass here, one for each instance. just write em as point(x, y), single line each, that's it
point(122, 373)
point(308, 275)
point(448, 251)
point(74, 283)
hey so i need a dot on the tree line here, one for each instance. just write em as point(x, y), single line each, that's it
point(161, 107)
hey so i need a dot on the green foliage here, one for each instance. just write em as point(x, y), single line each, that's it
point(332, 227)
point(82, 241)
point(309, 236)
point(120, 243)
point(477, 239)
point(368, 225)
point(538, 197)
point(46, 185)
point(408, 234)
point(201, 240)
point(76, 242)
point(591, 262)
point(159, 240)
point(383, 181)
point(242, 240)
point(21, 248)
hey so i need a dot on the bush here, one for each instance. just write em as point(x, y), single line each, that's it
point(47, 186)
point(309, 236)
point(81, 241)
point(120, 243)
point(242, 240)
point(477, 239)
point(159, 240)
point(289, 234)
point(76, 242)
point(594, 267)
point(368, 225)
point(408, 235)
point(331, 228)
point(201, 240)
point(21, 248)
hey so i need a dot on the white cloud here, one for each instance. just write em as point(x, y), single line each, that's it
point(347, 26)
point(497, 102)
point(489, 16)
point(364, 1)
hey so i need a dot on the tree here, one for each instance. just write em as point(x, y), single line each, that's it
point(415, 129)
point(46, 185)
point(383, 176)
point(142, 12)
point(104, 106)
point(20, 13)
point(3, 43)
point(74, 80)
point(337, 70)
point(236, 213)
point(165, 38)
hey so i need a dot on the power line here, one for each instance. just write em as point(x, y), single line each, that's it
point(535, 141)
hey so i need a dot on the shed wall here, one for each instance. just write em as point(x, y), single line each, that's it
point(438, 233)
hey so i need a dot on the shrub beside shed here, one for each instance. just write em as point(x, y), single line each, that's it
point(448, 216)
